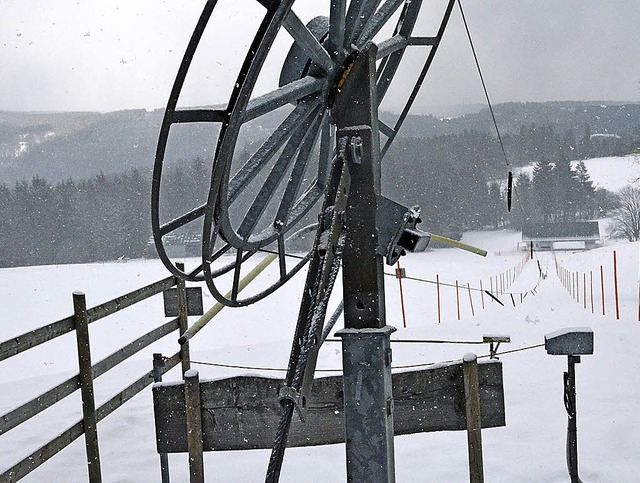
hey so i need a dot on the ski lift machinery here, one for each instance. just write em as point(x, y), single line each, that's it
point(322, 157)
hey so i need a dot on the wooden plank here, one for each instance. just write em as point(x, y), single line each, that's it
point(23, 342)
point(41, 402)
point(50, 449)
point(132, 389)
point(134, 347)
point(243, 412)
point(38, 404)
point(129, 299)
point(42, 454)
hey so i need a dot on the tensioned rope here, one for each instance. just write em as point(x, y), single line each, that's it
point(398, 367)
point(510, 186)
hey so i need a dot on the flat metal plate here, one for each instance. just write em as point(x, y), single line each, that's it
point(194, 302)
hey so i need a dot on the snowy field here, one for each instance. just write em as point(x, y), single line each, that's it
point(627, 171)
point(531, 448)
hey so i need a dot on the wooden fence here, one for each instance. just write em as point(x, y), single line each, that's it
point(79, 322)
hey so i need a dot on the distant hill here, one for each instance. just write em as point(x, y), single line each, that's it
point(58, 146)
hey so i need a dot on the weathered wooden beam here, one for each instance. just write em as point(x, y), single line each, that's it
point(89, 421)
point(243, 412)
point(474, 427)
point(23, 342)
point(41, 402)
point(131, 298)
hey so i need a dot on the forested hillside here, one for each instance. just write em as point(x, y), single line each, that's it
point(84, 195)
point(59, 146)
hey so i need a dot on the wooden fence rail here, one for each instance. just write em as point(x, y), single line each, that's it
point(51, 331)
point(32, 408)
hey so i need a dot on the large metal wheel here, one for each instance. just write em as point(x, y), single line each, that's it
point(264, 185)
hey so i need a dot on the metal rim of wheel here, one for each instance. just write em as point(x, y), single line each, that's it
point(317, 63)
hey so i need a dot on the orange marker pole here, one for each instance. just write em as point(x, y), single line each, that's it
point(615, 284)
point(438, 293)
point(473, 313)
point(458, 299)
point(482, 294)
point(591, 283)
point(602, 287)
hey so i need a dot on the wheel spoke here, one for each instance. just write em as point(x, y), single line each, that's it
point(182, 220)
point(358, 14)
point(198, 115)
point(236, 276)
point(305, 39)
point(282, 258)
point(421, 77)
point(276, 175)
point(258, 160)
point(297, 173)
point(375, 23)
point(326, 152)
point(336, 25)
point(391, 46)
point(282, 96)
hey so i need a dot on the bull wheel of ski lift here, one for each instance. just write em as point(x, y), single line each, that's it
point(258, 199)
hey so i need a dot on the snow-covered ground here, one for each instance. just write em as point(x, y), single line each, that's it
point(531, 448)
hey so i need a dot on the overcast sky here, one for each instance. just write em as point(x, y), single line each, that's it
point(108, 55)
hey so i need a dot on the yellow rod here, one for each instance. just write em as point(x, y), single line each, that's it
point(213, 311)
point(457, 244)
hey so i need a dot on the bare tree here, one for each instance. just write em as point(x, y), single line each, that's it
point(625, 219)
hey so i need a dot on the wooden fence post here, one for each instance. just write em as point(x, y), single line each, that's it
point(89, 418)
point(474, 427)
point(194, 426)
point(183, 321)
point(158, 365)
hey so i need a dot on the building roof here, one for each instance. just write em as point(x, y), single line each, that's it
point(561, 230)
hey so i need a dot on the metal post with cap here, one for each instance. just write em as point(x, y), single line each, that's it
point(573, 343)
point(366, 347)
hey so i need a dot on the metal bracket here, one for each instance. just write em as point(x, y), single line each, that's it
point(288, 393)
point(495, 339)
point(397, 232)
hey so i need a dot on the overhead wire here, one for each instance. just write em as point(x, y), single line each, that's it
point(510, 184)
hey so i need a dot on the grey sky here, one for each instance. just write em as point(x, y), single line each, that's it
point(115, 54)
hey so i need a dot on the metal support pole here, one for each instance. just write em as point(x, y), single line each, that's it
point(474, 426)
point(89, 419)
point(158, 365)
point(194, 426)
point(366, 348)
point(572, 425)
point(368, 404)
point(183, 321)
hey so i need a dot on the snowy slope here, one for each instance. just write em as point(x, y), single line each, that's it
point(529, 448)
point(611, 173)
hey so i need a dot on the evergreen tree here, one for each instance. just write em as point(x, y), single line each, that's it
point(544, 199)
point(585, 195)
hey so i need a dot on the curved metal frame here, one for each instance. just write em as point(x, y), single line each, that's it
point(290, 147)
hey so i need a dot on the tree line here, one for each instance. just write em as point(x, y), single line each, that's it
point(459, 180)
